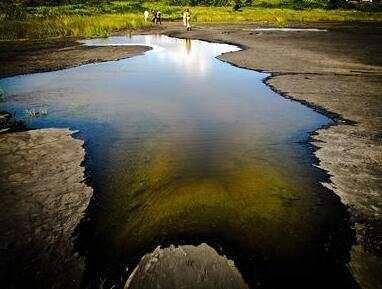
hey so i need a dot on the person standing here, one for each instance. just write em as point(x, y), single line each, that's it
point(154, 16)
point(159, 17)
point(146, 14)
point(184, 18)
point(188, 20)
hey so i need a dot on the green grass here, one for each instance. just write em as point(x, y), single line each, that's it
point(70, 25)
point(280, 16)
point(101, 19)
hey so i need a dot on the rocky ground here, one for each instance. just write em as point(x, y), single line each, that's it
point(337, 72)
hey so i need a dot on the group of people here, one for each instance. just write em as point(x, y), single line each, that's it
point(156, 17)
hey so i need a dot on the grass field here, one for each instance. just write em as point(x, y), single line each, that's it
point(101, 19)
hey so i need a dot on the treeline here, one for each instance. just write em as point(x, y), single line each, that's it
point(295, 4)
point(47, 2)
point(259, 3)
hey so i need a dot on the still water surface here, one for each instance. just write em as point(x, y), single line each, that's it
point(183, 148)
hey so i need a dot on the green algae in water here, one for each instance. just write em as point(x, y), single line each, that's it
point(246, 198)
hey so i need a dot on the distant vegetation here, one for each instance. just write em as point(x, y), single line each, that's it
point(295, 4)
point(80, 18)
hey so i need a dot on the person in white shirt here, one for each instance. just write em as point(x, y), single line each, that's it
point(185, 18)
point(146, 14)
point(188, 20)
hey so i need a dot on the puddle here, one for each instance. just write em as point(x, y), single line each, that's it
point(184, 149)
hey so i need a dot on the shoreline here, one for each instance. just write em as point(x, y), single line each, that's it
point(58, 54)
point(282, 81)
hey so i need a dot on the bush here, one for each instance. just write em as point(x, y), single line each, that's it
point(237, 5)
point(13, 11)
point(334, 4)
point(311, 4)
point(201, 2)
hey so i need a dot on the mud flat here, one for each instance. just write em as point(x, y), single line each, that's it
point(185, 266)
point(337, 72)
point(22, 57)
point(43, 198)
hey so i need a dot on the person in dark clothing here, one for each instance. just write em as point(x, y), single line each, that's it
point(154, 16)
point(158, 17)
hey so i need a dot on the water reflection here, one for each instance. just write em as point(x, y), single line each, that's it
point(193, 59)
point(185, 148)
point(187, 42)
